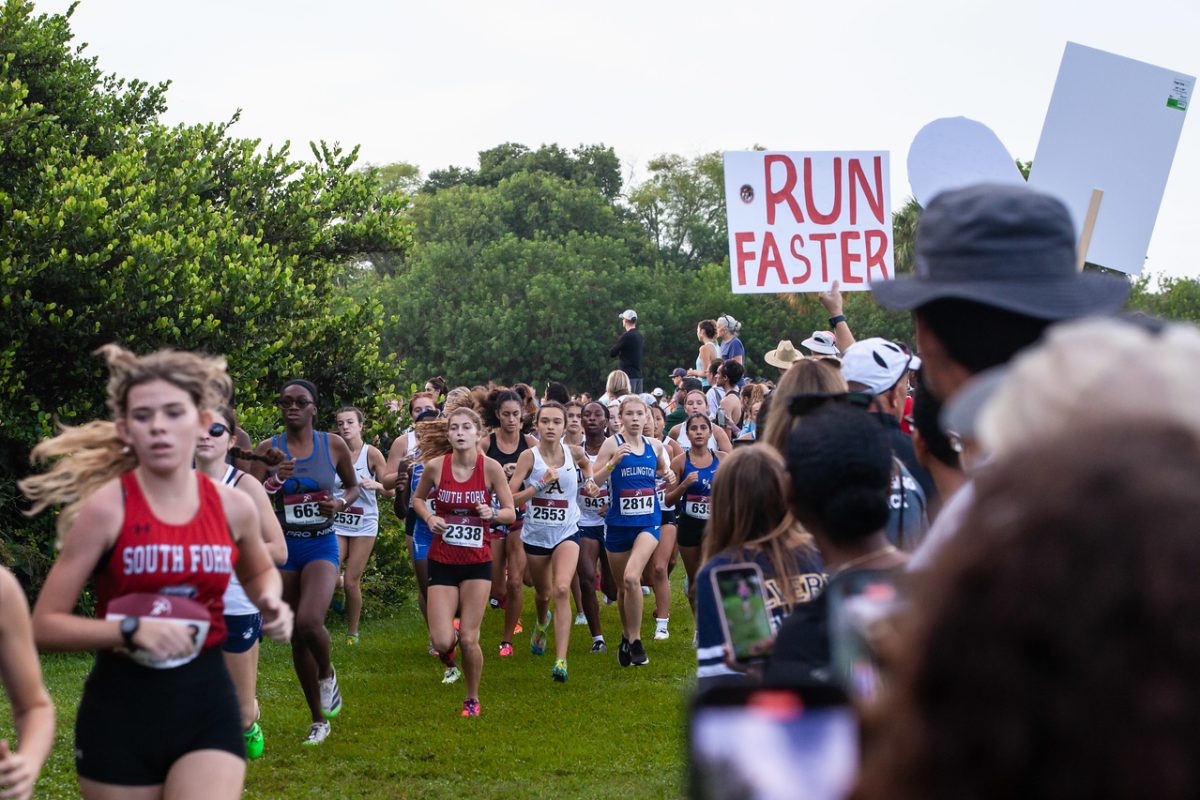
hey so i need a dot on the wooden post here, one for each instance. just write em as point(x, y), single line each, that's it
point(1089, 225)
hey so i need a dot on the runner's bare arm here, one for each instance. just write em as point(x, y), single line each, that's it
point(268, 523)
point(520, 473)
point(676, 491)
point(32, 710)
point(254, 567)
point(497, 483)
point(340, 451)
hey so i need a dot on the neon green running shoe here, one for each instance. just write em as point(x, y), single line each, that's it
point(254, 741)
point(537, 642)
point(559, 670)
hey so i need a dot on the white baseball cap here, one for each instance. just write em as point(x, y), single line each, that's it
point(657, 392)
point(821, 343)
point(628, 314)
point(877, 364)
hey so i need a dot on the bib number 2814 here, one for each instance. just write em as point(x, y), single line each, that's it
point(636, 502)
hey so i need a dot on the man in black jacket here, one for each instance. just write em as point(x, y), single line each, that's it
point(628, 350)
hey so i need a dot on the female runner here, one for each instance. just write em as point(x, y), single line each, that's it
point(402, 473)
point(632, 522)
point(358, 525)
point(695, 469)
point(304, 503)
point(664, 555)
point(159, 715)
point(462, 483)
point(32, 709)
point(505, 414)
point(550, 534)
point(592, 509)
point(242, 619)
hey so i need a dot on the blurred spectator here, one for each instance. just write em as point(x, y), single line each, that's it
point(811, 376)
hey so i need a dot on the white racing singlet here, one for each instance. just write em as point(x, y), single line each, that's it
point(237, 602)
point(589, 507)
point(362, 518)
point(552, 514)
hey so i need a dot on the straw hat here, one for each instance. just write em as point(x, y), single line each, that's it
point(784, 355)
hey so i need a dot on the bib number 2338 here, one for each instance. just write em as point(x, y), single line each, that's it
point(463, 531)
point(636, 502)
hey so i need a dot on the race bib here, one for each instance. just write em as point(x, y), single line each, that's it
point(350, 518)
point(636, 502)
point(544, 509)
point(303, 509)
point(594, 504)
point(696, 506)
point(463, 531)
point(182, 611)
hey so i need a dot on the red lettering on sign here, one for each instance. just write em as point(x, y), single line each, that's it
point(849, 258)
point(796, 247)
point(875, 201)
point(822, 238)
point(770, 260)
point(784, 194)
point(741, 240)
point(813, 214)
point(875, 256)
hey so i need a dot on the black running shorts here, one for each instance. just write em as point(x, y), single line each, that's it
point(454, 574)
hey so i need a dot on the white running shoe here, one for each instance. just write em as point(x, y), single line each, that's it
point(581, 618)
point(452, 674)
point(331, 698)
point(661, 634)
point(645, 591)
point(317, 733)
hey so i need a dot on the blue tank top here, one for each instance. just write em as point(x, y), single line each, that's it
point(311, 481)
point(696, 498)
point(415, 471)
point(633, 501)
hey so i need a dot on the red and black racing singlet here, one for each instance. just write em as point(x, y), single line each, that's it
point(465, 540)
point(192, 560)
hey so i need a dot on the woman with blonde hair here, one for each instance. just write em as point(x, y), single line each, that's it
point(749, 521)
point(159, 541)
point(616, 386)
point(810, 376)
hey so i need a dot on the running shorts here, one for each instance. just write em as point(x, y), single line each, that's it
point(304, 550)
point(620, 538)
point(243, 631)
point(595, 532)
point(668, 517)
point(135, 722)
point(441, 574)
point(536, 550)
point(690, 531)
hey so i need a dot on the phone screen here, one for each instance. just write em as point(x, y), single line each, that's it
point(766, 743)
point(861, 607)
point(744, 615)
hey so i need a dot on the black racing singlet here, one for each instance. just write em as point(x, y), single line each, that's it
point(494, 451)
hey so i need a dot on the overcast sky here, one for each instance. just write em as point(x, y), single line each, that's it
point(433, 83)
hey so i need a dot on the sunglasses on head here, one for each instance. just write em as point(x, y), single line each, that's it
point(803, 404)
point(218, 430)
point(298, 402)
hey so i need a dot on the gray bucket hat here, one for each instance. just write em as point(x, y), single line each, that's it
point(1008, 247)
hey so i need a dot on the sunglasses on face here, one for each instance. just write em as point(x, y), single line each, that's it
point(298, 402)
point(217, 430)
point(804, 404)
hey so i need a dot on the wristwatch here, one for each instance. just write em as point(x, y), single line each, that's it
point(129, 628)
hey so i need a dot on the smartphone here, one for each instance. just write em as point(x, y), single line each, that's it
point(862, 605)
point(772, 742)
point(742, 606)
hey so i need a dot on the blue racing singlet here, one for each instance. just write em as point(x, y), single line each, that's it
point(311, 481)
point(633, 501)
point(696, 499)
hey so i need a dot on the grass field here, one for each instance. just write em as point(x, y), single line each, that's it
point(607, 732)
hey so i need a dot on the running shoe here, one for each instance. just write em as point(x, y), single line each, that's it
point(451, 675)
point(457, 622)
point(661, 634)
point(254, 741)
point(331, 698)
point(599, 646)
point(338, 601)
point(637, 653)
point(506, 649)
point(317, 733)
point(518, 629)
point(470, 708)
point(537, 642)
point(645, 591)
point(559, 670)
point(624, 656)
point(351, 639)
point(581, 618)
point(494, 603)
